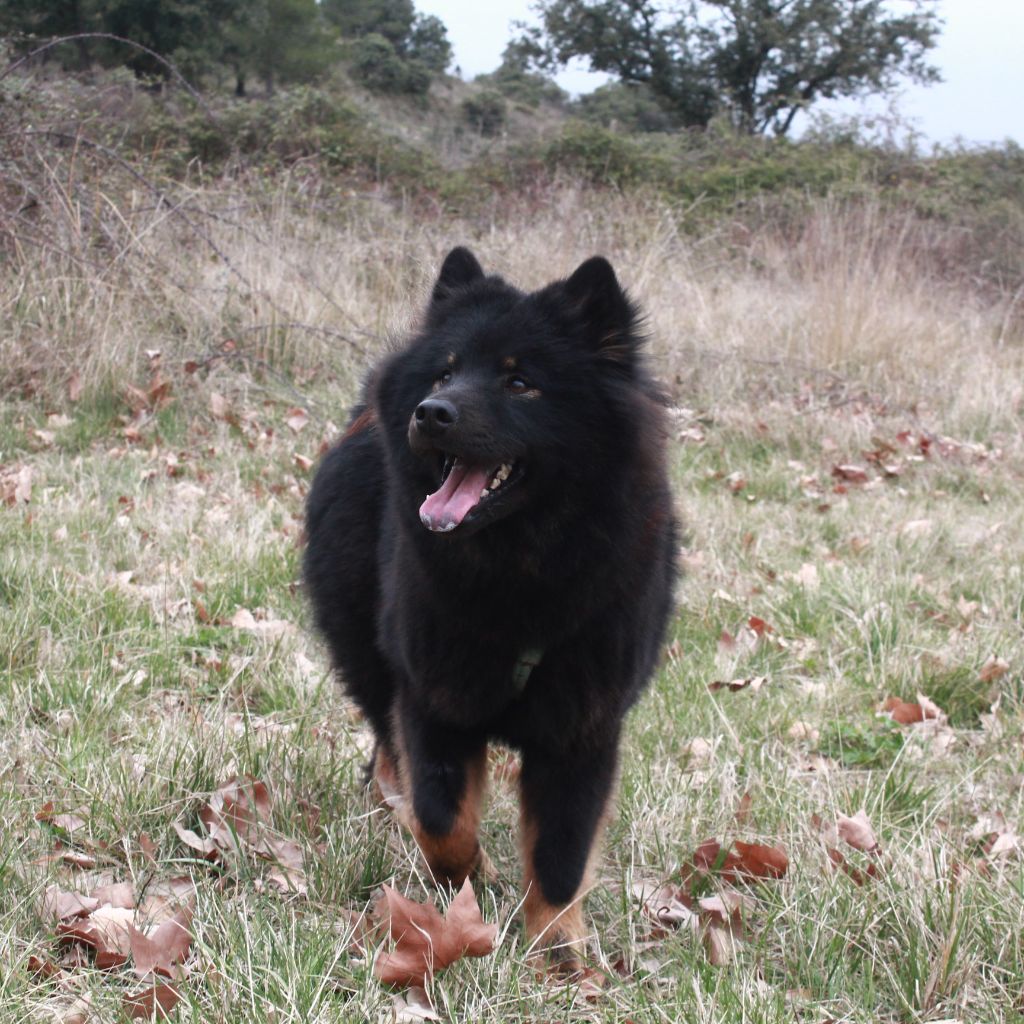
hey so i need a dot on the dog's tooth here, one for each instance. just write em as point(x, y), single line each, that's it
point(484, 493)
point(496, 482)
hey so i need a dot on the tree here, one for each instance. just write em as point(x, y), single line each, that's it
point(517, 79)
point(391, 48)
point(428, 43)
point(392, 19)
point(182, 31)
point(40, 21)
point(758, 62)
point(278, 40)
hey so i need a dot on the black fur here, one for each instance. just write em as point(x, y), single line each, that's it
point(574, 561)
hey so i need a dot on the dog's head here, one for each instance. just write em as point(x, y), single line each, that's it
point(504, 398)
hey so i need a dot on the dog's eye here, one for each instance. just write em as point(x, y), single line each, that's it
point(445, 377)
point(517, 385)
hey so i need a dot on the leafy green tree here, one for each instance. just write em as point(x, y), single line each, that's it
point(392, 19)
point(758, 62)
point(375, 62)
point(628, 106)
point(427, 42)
point(182, 31)
point(43, 19)
point(516, 79)
point(278, 40)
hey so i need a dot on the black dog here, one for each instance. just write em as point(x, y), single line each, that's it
point(491, 557)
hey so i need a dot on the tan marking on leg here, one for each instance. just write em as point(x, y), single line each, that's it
point(454, 857)
point(556, 931)
point(388, 788)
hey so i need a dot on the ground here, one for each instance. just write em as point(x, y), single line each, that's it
point(848, 461)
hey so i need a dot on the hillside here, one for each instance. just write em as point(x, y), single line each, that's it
point(819, 812)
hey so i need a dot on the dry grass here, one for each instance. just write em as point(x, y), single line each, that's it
point(311, 281)
point(124, 691)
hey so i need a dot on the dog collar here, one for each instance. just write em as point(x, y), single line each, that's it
point(527, 662)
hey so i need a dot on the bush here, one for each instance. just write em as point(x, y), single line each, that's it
point(486, 112)
point(375, 63)
point(626, 107)
point(602, 157)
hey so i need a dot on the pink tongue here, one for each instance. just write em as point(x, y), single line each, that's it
point(450, 503)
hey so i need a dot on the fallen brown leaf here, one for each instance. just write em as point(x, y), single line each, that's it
point(151, 1003)
point(206, 848)
point(236, 810)
point(116, 894)
point(68, 822)
point(62, 905)
point(77, 1012)
point(754, 683)
point(414, 1006)
point(850, 473)
point(857, 831)
point(993, 669)
point(425, 942)
point(164, 949)
point(903, 712)
point(760, 861)
point(296, 419)
point(44, 968)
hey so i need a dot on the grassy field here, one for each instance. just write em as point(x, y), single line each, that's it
point(848, 459)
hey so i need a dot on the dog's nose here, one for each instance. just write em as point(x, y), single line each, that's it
point(435, 415)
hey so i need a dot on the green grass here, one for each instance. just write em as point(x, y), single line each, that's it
point(116, 699)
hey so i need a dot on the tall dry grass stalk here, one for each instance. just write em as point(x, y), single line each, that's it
point(312, 283)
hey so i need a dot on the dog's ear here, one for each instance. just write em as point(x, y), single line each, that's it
point(460, 268)
point(606, 312)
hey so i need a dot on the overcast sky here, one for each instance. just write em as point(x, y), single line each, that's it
point(980, 55)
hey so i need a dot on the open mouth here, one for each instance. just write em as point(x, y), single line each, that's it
point(465, 491)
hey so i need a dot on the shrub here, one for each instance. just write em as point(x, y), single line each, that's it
point(486, 112)
point(375, 63)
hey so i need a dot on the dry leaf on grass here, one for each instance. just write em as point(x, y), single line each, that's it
point(237, 820)
point(78, 1011)
point(164, 949)
point(754, 683)
point(66, 823)
point(154, 1003)
point(115, 894)
point(850, 473)
point(15, 485)
point(857, 831)
point(908, 713)
point(105, 931)
point(296, 419)
point(425, 942)
point(263, 624)
point(61, 905)
point(717, 919)
point(236, 810)
point(206, 848)
point(414, 1006)
point(164, 897)
point(993, 669)
point(759, 861)
point(665, 904)
point(750, 860)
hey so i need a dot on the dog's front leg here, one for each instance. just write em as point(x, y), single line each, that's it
point(564, 800)
point(445, 773)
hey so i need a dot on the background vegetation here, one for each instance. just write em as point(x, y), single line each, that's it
point(193, 285)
